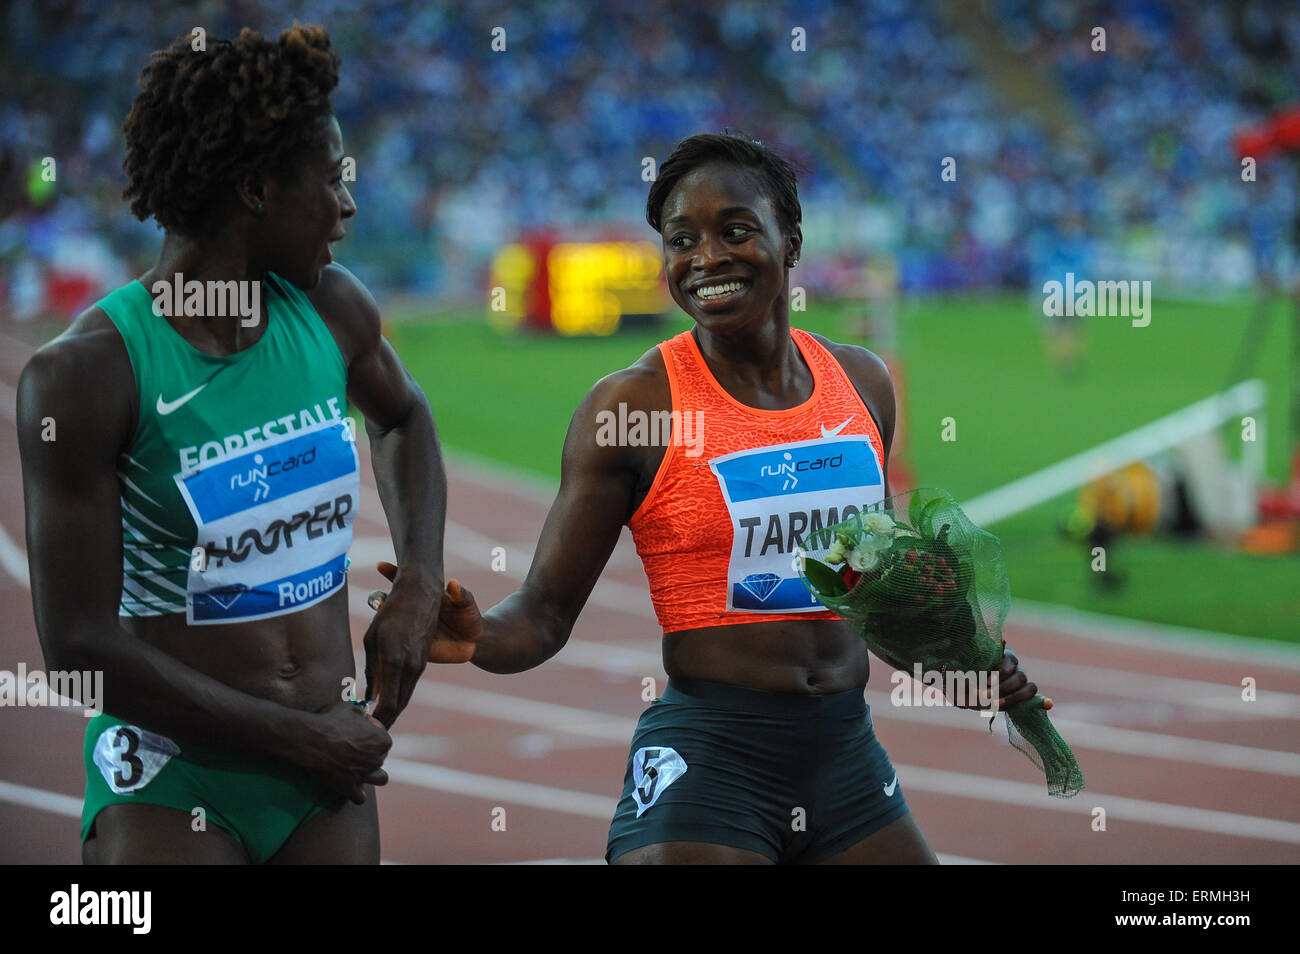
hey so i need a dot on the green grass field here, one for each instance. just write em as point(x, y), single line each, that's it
point(981, 361)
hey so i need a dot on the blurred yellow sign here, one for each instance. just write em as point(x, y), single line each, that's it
point(589, 286)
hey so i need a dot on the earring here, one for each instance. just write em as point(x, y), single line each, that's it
point(259, 207)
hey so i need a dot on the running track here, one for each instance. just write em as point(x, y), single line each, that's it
point(1185, 770)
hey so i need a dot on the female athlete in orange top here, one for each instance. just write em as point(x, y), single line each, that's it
point(761, 748)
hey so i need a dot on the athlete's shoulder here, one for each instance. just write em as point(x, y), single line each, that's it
point(91, 343)
point(868, 372)
point(347, 308)
point(856, 360)
point(54, 380)
point(641, 385)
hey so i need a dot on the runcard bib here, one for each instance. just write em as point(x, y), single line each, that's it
point(274, 523)
point(241, 482)
point(776, 497)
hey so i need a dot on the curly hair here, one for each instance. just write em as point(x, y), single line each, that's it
point(210, 118)
point(777, 176)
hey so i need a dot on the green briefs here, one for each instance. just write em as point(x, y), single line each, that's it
point(260, 805)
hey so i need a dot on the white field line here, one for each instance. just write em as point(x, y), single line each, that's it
point(1077, 470)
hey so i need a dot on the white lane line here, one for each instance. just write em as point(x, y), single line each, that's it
point(554, 718)
point(561, 719)
point(470, 545)
point(1119, 808)
point(417, 773)
point(558, 861)
point(1104, 738)
point(635, 600)
point(943, 860)
point(8, 403)
point(13, 558)
point(40, 799)
point(641, 663)
point(1153, 637)
point(935, 781)
point(1130, 684)
point(605, 727)
point(498, 790)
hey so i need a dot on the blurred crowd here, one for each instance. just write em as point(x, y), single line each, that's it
point(462, 148)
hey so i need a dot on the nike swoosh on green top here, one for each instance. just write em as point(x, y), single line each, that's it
point(166, 407)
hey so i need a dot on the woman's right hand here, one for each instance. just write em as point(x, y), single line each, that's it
point(344, 748)
point(460, 624)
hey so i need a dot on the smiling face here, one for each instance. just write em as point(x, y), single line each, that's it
point(305, 208)
point(725, 255)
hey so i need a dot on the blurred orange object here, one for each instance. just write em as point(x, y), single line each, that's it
point(1279, 536)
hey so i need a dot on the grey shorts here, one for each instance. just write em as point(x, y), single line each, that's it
point(797, 778)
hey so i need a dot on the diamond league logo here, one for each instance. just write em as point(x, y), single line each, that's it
point(761, 585)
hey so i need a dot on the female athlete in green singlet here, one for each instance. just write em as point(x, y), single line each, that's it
point(188, 530)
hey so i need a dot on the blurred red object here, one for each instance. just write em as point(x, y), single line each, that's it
point(68, 293)
point(1280, 133)
point(1282, 503)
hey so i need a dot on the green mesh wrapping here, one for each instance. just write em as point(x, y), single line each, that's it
point(923, 585)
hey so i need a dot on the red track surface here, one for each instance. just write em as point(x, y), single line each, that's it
point(549, 746)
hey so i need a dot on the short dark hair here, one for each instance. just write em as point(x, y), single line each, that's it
point(210, 117)
point(777, 176)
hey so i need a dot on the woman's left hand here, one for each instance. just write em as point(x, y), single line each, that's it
point(1013, 686)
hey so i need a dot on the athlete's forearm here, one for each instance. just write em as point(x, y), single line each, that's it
point(413, 491)
point(150, 688)
point(519, 634)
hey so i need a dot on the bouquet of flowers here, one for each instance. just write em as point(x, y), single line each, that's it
point(925, 586)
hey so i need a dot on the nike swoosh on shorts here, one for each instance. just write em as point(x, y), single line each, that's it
point(891, 785)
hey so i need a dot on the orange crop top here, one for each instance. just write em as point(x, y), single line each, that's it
point(739, 488)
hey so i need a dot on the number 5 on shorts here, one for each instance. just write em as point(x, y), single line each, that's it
point(654, 768)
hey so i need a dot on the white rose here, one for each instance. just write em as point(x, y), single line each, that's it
point(866, 555)
point(879, 523)
point(864, 560)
